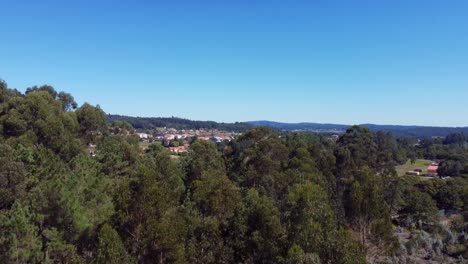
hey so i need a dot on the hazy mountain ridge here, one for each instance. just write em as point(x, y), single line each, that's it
point(182, 123)
point(398, 130)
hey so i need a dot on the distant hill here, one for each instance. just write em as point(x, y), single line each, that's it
point(408, 131)
point(314, 127)
point(178, 123)
point(182, 123)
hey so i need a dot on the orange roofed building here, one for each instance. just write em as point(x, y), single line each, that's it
point(432, 170)
point(177, 149)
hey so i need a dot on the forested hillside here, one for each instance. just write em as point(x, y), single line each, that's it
point(396, 130)
point(148, 123)
point(261, 198)
point(177, 123)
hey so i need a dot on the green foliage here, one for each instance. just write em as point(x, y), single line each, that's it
point(419, 206)
point(146, 209)
point(346, 250)
point(203, 156)
point(451, 195)
point(118, 156)
point(450, 168)
point(368, 212)
point(110, 248)
point(40, 117)
point(356, 149)
point(265, 234)
point(68, 102)
point(92, 121)
point(12, 177)
point(166, 238)
point(265, 197)
point(121, 126)
point(44, 88)
point(311, 220)
point(261, 162)
point(456, 138)
point(19, 237)
point(75, 202)
point(215, 195)
point(297, 255)
point(57, 250)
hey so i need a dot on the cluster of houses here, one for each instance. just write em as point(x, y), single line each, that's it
point(178, 149)
point(431, 170)
point(167, 135)
point(183, 138)
point(172, 134)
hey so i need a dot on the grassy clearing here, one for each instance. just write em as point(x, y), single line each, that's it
point(419, 164)
point(143, 145)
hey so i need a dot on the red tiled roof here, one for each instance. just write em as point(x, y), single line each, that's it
point(177, 149)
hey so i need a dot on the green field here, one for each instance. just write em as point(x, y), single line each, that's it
point(143, 145)
point(419, 164)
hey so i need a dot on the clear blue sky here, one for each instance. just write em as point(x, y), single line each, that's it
point(383, 62)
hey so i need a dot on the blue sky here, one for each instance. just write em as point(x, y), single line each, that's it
point(383, 62)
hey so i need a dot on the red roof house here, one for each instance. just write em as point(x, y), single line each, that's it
point(432, 170)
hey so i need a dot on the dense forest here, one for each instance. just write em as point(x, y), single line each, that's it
point(265, 197)
point(147, 123)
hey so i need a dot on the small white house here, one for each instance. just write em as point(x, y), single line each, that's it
point(143, 135)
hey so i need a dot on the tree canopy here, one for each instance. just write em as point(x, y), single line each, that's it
point(264, 197)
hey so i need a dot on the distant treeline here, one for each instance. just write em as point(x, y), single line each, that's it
point(399, 131)
point(146, 123)
point(177, 123)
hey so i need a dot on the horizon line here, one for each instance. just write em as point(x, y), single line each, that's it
point(290, 123)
